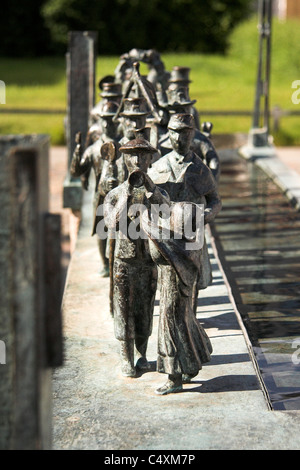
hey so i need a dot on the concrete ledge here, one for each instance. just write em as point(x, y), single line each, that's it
point(286, 179)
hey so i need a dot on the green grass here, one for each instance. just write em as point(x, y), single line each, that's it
point(218, 83)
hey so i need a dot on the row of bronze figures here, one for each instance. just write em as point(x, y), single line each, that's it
point(145, 146)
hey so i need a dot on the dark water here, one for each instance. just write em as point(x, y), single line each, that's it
point(258, 240)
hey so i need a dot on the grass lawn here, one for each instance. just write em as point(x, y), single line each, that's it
point(218, 83)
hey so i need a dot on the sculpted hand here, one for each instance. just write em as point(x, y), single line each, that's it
point(78, 140)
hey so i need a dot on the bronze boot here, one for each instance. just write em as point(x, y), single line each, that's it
point(127, 358)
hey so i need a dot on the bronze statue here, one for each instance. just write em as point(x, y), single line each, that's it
point(138, 169)
point(134, 272)
point(158, 76)
point(91, 158)
point(178, 93)
point(184, 176)
point(201, 145)
point(110, 91)
point(183, 345)
point(133, 121)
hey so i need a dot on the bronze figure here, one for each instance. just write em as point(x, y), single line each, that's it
point(178, 93)
point(147, 152)
point(201, 145)
point(184, 176)
point(91, 158)
point(134, 273)
point(183, 345)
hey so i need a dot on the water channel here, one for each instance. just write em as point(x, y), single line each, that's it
point(257, 235)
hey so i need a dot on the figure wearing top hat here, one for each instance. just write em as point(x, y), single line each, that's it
point(184, 176)
point(83, 162)
point(115, 172)
point(134, 272)
point(134, 121)
point(178, 93)
point(110, 91)
point(179, 102)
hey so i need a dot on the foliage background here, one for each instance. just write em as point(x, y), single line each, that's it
point(40, 27)
point(219, 82)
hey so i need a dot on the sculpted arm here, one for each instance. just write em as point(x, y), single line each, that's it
point(115, 209)
point(210, 156)
point(213, 206)
point(80, 163)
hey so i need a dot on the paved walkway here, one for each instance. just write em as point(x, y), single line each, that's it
point(224, 407)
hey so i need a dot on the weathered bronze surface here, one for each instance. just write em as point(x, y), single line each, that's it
point(186, 178)
point(151, 152)
point(84, 161)
point(134, 272)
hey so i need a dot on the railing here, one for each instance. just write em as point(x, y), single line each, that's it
point(276, 113)
point(31, 111)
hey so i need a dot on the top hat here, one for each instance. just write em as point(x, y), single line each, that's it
point(106, 79)
point(178, 96)
point(108, 110)
point(144, 132)
point(135, 107)
point(111, 89)
point(181, 121)
point(180, 74)
point(139, 145)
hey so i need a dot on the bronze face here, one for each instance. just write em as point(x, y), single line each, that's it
point(181, 139)
point(140, 161)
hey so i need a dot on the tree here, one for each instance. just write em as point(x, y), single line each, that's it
point(22, 29)
point(173, 25)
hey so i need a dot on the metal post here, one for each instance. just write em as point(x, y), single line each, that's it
point(259, 141)
point(264, 64)
point(81, 60)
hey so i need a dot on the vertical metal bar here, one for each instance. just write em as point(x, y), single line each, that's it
point(268, 28)
point(264, 64)
point(81, 63)
point(256, 115)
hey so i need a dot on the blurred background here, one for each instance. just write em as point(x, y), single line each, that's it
point(217, 39)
